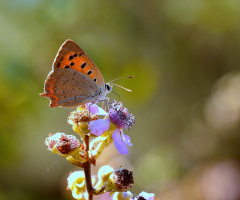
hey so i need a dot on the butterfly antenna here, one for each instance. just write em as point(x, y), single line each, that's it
point(121, 78)
point(123, 87)
point(116, 94)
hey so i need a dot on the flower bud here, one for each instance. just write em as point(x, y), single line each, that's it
point(104, 173)
point(81, 114)
point(61, 143)
point(79, 119)
point(120, 180)
point(76, 183)
point(76, 180)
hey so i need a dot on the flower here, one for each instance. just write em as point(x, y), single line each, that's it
point(120, 116)
point(62, 142)
point(144, 196)
point(121, 119)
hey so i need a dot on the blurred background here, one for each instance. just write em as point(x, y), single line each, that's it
point(186, 93)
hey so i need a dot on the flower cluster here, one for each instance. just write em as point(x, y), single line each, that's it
point(97, 129)
point(112, 181)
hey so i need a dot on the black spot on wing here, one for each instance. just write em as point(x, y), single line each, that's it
point(89, 72)
point(83, 65)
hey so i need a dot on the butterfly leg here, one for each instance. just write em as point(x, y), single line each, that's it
point(117, 95)
point(106, 100)
point(89, 111)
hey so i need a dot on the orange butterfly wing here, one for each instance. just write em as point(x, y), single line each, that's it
point(72, 58)
point(71, 55)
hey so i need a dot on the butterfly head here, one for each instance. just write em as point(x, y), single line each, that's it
point(109, 86)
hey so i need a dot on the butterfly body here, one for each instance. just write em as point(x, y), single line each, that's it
point(74, 79)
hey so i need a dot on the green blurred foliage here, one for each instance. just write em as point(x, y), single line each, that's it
point(185, 59)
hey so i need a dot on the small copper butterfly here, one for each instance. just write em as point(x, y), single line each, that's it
point(74, 79)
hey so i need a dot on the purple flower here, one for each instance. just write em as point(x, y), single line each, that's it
point(121, 118)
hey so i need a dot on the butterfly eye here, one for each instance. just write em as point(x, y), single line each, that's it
point(107, 87)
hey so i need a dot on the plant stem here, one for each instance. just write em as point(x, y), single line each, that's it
point(87, 170)
point(88, 174)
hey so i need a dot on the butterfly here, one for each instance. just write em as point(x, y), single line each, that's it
point(75, 79)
